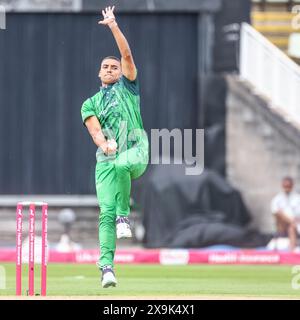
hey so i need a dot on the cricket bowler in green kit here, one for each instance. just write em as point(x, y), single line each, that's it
point(112, 117)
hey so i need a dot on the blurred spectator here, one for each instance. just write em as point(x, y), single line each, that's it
point(285, 207)
point(67, 217)
point(67, 245)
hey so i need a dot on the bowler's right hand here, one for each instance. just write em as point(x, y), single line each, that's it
point(109, 147)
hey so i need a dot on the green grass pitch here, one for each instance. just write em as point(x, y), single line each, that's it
point(155, 281)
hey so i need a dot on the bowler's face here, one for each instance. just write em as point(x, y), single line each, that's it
point(110, 71)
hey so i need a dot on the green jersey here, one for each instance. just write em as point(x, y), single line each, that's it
point(117, 108)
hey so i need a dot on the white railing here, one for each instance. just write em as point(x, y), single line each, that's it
point(271, 72)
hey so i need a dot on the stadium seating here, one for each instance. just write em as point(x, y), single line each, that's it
point(274, 19)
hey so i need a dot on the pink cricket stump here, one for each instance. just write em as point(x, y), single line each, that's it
point(19, 250)
point(19, 216)
point(31, 249)
point(44, 249)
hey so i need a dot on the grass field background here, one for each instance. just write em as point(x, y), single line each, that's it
point(163, 281)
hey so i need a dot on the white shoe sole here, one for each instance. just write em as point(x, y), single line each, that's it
point(123, 231)
point(109, 281)
point(124, 234)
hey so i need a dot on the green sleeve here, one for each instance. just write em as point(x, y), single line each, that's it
point(87, 110)
point(132, 86)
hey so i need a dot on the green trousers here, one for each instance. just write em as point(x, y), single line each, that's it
point(113, 186)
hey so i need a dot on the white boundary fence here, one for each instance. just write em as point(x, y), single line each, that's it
point(271, 72)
